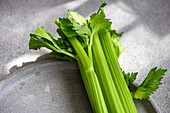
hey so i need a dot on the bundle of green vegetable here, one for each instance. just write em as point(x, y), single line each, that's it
point(95, 48)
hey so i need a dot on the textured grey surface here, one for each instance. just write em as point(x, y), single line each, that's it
point(50, 87)
point(146, 39)
point(45, 88)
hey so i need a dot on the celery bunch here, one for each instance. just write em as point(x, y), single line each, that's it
point(95, 48)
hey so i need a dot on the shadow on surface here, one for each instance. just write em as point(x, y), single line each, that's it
point(153, 14)
point(42, 59)
point(64, 89)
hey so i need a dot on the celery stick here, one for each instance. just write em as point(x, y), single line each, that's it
point(121, 87)
point(109, 90)
point(90, 78)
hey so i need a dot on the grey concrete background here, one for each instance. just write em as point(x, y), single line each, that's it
point(146, 39)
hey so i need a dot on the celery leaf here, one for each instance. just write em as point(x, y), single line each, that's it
point(117, 46)
point(80, 26)
point(36, 43)
point(116, 42)
point(150, 84)
point(75, 17)
point(60, 46)
point(129, 77)
point(98, 21)
point(42, 33)
point(71, 30)
point(67, 27)
point(103, 4)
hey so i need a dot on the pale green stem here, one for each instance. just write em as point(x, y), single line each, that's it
point(116, 72)
point(108, 88)
point(89, 78)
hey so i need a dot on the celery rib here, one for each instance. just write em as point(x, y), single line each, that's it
point(89, 78)
point(109, 90)
point(116, 73)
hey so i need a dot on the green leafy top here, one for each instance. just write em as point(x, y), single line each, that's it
point(73, 26)
point(67, 27)
point(150, 84)
point(98, 21)
point(60, 47)
point(75, 17)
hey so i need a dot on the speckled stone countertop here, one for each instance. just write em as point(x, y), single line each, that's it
point(146, 39)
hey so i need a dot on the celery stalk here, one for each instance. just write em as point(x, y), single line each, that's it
point(117, 76)
point(89, 78)
point(109, 90)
